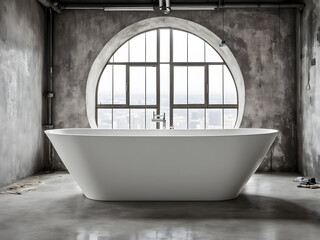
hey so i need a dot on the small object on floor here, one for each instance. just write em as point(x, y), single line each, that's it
point(309, 181)
point(298, 179)
point(309, 186)
point(312, 180)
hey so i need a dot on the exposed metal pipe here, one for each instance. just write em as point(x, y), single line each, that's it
point(49, 94)
point(168, 7)
point(264, 5)
point(193, 7)
point(299, 88)
point(129, 9)
point(50, 4)
point(137, 8)
point(161, 5)
point(177, 7)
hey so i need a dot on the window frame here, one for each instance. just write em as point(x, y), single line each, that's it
point(206, 105)
point(106, 52)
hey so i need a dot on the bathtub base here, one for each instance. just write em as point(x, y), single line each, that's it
point(142, 199)
point(163, 192)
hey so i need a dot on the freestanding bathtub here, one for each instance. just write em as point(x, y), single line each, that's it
point(161, 165)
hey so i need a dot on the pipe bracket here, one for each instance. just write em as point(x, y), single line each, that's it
point(50, 95)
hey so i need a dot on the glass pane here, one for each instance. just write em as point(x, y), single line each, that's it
point(137, 119)
point(180, 117)
point(105, 118)
point(119, 84)
point(149, 123)
point(180, 85)
point(121, 55)
point(165, 91)
point(195, 85)
point(105, 86)
point(151, 46)
point(211, 54)
point(120, 118)
point(196, 119)
point(195, 48)
point(137, 48)
point(230, 92)
point(179, 46)
point(215, 84)
point(151, 85)
point(111, 60)
point(214, 118)
point(230, 117)
point(137, 85)
point(164, 45)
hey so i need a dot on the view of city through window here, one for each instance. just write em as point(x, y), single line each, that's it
point(166, 71)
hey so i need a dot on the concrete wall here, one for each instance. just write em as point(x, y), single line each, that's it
point(22, 48)
point(309, 127)
point(265, 55)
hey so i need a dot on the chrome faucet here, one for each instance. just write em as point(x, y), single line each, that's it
point(159, 118)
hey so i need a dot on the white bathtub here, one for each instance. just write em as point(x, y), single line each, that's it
point(161, 165)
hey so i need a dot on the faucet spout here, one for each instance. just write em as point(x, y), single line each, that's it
point(159, 118)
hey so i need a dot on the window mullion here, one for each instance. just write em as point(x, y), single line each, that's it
point(145, 76)
point(171, 78)
point(128, 85)
point(145, 85)
point(112, 118)
point(158, 76)
point(222, 96)
point(206, 85)
point(187, 80)
point(128, 92)
point(206, 93)
point(112, 100)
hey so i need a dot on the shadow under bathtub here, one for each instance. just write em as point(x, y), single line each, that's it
point(244, 207)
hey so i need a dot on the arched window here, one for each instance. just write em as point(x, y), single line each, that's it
point(166, 70)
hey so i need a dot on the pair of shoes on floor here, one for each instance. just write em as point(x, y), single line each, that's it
point(309, 181)
point(305, 181)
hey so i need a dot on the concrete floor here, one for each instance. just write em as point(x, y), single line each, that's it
point(271, 207)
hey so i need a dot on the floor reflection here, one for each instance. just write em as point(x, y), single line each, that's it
point(271, 207)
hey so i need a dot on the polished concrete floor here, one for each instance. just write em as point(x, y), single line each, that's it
point(270, 207)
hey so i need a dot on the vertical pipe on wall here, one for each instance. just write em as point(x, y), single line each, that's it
point(49, 94)
point(298, 82)
point(51, 152)
point(160, 5)
point(50, 88)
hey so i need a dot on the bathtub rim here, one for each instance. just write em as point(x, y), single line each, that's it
point(230, 132)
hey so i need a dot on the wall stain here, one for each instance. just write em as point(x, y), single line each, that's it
point(22, 77)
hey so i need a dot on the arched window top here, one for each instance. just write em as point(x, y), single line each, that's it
point(145, 47)
point(169, 69)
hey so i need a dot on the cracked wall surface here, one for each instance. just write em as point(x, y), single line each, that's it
point(262, 43)
point(22, 49)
